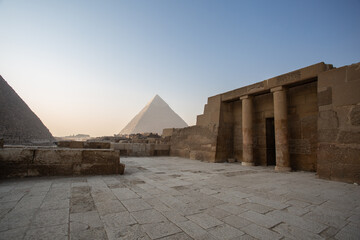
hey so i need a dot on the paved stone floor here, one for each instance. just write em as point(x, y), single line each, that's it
point(176, 198)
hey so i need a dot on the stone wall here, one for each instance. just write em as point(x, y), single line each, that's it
point(31, 161)
point(194, 142)
point(339, 124)
point(141, 149)
point(200, 141)
point(302, 125)
point(83, 144)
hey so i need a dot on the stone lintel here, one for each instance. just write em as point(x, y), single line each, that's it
point(246, 97)
point(286, 79)
point(276, 89)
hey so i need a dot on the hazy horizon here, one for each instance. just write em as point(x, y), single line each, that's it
point(88, 67)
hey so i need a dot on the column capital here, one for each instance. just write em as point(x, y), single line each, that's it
point(246, 97)
point(277, 89)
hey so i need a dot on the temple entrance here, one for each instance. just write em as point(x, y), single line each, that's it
point(270, 142)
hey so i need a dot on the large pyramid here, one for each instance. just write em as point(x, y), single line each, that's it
point(18, 124)
point(154, 117)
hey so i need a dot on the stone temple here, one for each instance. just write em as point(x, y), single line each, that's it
point(307, 120)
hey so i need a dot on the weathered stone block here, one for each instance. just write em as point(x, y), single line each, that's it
point(97, 145)
point(100, 156)
point(349, 137)
point(327, 135)
point(21, 162)
point(70, 144)
point(121, 168)
point(91, 168)
point(162, 147)
point(354, 116)
point(325, 97)
point(56, 156)
point(353, 72)
point(16, 155)
point(328, 120)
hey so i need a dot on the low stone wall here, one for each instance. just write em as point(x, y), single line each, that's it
point(32, 161)
point(141, 149)
point(83, 144)
point(194, 142)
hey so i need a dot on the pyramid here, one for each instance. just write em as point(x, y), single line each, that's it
point(18, 124)
point(154, 117)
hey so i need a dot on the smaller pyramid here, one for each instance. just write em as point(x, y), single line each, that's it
point(154, 117)
point(18, 124)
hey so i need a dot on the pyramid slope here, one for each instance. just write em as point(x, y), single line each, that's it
point(18, 124)
point(154, 117)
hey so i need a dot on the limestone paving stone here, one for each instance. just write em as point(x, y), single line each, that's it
point(155, 203)
point(133, 205)
point(115, 220)
point(124, 193)
point(50, 218)
point(204, 220)
point(192, 229)
point(174, 216)
point(59, 232)
point(17, 219)
point(261, 233)
point(236, 221)
point(86, 219)
point(349, 232)
point(260, 219)
point(108, 207)
point(177, 236)
point(217, 212)
point(126, 232)
point(297, 221)
point(158, 230)
point(232, 209)
point(148, 216)
point(257, 207)
point(293, 232)
point(55, 204)
point(92, 233)
point(225, 232)
point(16, 233)
point(30, 202)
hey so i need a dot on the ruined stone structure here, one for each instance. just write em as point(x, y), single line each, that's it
point(18, 124)
point(142, 149)
point(51, 161)
point(308, 119)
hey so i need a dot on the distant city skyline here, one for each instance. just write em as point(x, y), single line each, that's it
point(88, 67)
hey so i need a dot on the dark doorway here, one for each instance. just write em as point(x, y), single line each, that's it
point(270, 142)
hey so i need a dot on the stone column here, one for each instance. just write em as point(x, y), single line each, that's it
point(247, 130)
point(281, 129)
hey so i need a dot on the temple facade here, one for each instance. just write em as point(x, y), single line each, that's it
point(308, 120)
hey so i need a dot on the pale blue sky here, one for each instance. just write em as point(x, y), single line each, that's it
point(90, 66)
